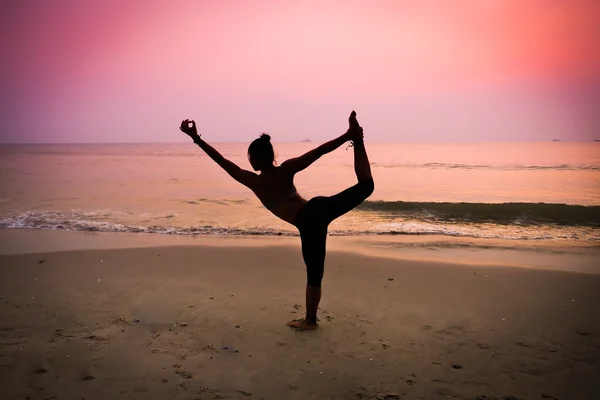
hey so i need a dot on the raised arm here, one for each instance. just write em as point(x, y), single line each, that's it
point(246, 178)
point(297, 164)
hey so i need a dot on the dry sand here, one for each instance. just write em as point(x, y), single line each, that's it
point(207, 321)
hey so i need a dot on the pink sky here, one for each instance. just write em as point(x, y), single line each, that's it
point(447, 70)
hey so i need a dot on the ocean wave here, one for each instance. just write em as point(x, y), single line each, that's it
point(101, 222)
point(501, 167)
point(93, 222)
point(499, 213)
point(223, 202)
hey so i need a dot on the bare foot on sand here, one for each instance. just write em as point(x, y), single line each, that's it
point(302, 325)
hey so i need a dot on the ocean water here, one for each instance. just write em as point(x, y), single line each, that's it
point(513, 191)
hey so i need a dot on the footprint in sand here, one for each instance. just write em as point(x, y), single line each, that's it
point(183, 374)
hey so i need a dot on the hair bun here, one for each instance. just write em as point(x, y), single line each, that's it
point(265, 137)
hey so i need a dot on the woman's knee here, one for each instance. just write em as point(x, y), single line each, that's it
point(314, 276)
point(367, 187)
point(314, 282)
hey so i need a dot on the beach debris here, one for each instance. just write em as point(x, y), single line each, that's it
point(40, 371)
point(223, 347)
point(136, 320)
point(503, 319)
point(436, 363)
point(297, 306)
point(88, 378)
point(101, 261)
point(456, 366)
point(390, 279)
point(184, 324)
point(245, 393)
point(41, 261)
point(236, 351)
point(191, 306)
point(237, 326)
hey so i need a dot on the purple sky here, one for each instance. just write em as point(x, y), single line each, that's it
point(421, 70)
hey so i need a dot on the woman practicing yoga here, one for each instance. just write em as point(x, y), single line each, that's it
point(274, 187)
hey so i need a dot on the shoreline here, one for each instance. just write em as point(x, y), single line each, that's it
point(546, 255)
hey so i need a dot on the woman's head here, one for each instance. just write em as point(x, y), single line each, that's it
point(260, 153)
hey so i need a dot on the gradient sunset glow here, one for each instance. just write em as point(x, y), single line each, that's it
point(479, 70)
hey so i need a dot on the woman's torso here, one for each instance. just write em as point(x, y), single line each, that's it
point(277, 193)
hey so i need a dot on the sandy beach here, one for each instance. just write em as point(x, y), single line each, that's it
point(206, 319)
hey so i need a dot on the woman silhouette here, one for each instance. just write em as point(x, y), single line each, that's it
point(274, 187)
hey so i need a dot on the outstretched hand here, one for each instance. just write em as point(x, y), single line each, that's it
point(189, 130)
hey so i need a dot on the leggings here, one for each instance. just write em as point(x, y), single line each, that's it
point(314, 218)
